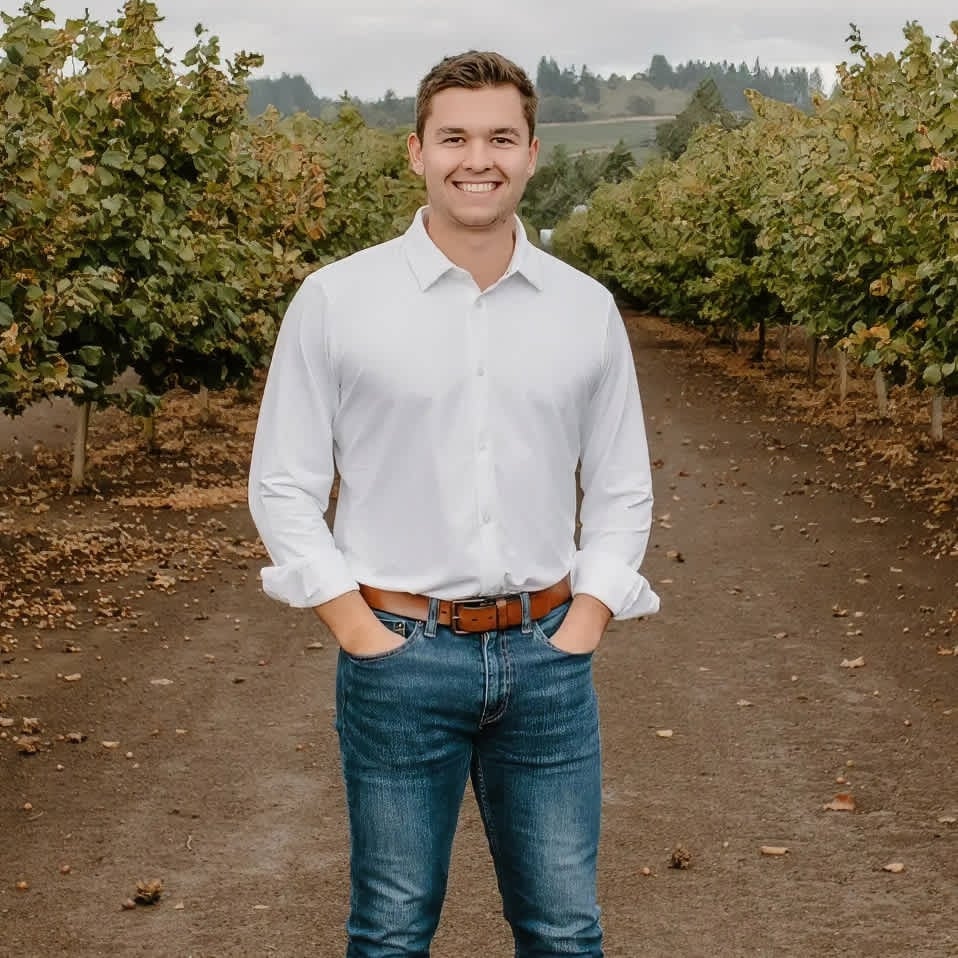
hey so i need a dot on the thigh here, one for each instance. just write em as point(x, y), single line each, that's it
point(405, 762)
point(537, 774)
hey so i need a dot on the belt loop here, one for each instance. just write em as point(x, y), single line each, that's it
point(432, 619)
point(526, 612)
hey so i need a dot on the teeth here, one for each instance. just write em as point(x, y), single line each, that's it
point(477, 187)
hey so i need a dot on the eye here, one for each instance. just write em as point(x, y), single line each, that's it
point(452, 139)
point(503, 140)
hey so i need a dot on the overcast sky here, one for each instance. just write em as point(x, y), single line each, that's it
point(368, 46)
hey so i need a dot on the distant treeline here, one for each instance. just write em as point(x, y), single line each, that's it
point(567, 94)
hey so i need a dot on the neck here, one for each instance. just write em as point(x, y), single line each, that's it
point(484, 253)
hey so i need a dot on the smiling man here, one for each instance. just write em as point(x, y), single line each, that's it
point(457, 377)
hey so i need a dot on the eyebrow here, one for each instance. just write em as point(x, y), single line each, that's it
point(460, 130)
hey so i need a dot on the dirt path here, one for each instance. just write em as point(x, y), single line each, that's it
point(773, 571)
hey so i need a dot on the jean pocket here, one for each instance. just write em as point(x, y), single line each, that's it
point(545, 628)
point(411, 631)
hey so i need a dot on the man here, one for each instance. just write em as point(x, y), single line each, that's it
point(456, 376)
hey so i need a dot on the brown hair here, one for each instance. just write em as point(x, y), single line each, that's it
point(472, 71)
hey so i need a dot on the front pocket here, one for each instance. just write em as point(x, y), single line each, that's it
point(412, 631)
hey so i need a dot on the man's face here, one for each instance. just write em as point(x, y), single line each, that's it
point(475, 155)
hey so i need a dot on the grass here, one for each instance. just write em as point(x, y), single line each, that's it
point(638, 134)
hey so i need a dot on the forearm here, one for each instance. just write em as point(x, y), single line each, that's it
point(347, 616)
point(588, 615)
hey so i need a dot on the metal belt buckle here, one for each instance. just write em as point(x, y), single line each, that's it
point(489, 602)
point(467, 604)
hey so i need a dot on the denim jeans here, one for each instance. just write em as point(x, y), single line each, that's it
point(516, 715)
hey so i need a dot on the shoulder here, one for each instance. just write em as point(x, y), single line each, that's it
point(357, 269)
point(570, 288)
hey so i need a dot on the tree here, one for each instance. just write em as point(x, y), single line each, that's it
point(661, 74)
point(589, 88)
point(706, 107)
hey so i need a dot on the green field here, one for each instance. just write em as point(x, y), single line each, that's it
point(638, 134)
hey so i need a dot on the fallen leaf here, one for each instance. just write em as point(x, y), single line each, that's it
point(646, 871)
point(896, 868)
point(948, 820)
point(839, 613)
point(843, 802)
point(110, 744)
point(315, 645)
point(148, 892)
point(75, 738)
point(680, 858)
point(774, 850)
point(744, 703)
point(161, 681)
point(665, 733)
point(675, 555)
point(853, 663)
point(73, 677)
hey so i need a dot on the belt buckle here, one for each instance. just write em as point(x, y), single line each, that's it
point(481, 602)
point(478, 603)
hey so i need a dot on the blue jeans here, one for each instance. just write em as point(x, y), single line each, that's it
point(520, 718)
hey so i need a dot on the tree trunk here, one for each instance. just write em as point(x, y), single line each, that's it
point(813, 348)
point(759, 354)
point(149, 432)
point(938, 416)
point(842, 375)
point(78, 478)
point(881, 391)
point(204, 400)
point(783, 346)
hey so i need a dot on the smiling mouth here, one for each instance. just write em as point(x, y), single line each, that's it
point(476, 187)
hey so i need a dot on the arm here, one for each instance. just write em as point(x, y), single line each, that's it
point(291, 476)
point(616, 508)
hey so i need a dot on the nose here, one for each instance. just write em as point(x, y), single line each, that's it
point(477, 156)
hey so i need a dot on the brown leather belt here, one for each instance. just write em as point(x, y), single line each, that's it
point(488, 614)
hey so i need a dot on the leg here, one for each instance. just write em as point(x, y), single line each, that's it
point(405, 758)
point(537, 775)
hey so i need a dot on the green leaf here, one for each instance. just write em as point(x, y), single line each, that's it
point(90, 355)
point(932, 374)
point(115, 158)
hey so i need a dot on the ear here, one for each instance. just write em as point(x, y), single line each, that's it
point(414, 148)
point(533, 155)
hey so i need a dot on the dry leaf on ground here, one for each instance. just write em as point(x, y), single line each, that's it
point(896, 868)
point(773, 850)
point(853, 663)
point(843, 802)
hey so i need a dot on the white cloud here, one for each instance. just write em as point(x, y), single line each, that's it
point(366, 46)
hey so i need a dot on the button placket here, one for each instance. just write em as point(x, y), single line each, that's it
point(485, 484)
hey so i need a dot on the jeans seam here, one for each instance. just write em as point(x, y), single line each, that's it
point(483, 799)
point(506, 681)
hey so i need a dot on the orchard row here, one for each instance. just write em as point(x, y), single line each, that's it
point(147, 223)
point(844, 221)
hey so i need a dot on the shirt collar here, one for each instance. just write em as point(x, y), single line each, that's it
point(429, 263)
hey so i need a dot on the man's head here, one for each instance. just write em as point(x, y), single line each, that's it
point(473, 71)
point(474, 142)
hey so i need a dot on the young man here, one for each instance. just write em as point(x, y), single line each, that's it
point(456, 376)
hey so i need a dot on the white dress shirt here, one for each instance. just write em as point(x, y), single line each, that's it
point(456, 418)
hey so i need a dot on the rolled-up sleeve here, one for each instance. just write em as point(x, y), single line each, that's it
point(292, 467)
point(616, 478)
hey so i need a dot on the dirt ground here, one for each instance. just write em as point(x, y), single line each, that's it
point(181, 724)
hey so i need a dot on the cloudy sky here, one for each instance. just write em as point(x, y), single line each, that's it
point(368, 46)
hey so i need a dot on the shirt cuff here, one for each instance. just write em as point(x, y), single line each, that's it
point(625, 592)
point(308, 582)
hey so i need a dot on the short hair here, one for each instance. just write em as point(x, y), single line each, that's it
point(472, 71)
